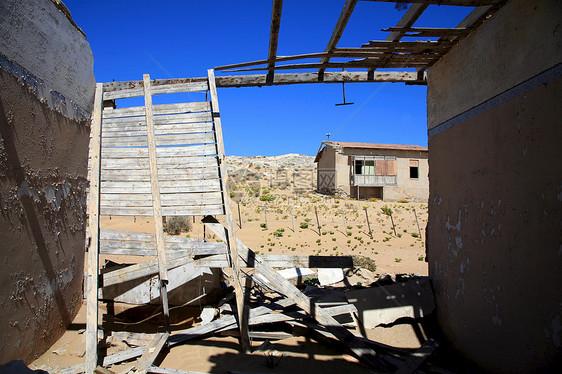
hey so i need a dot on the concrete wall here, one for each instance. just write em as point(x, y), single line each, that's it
point(47, 87)
point(494, 231)
point(406, 187)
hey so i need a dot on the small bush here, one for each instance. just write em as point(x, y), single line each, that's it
point(364, 262)
point(402, 201)
point(278, 233)
point(304, 225)
point(386, 210)
point(263, 225)
point(421, 258)
point(415, 234)
point(397, 259)
point(267, 197)
point(176, 225)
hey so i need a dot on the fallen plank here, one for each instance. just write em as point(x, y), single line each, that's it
point(285, 261)
point(363, 352)
point(152, 351)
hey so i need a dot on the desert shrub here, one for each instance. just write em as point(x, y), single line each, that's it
point(176, 225)
point(397, 259)
point(267, 197)
point(402, 201)
point(373, 199)
point(415, 234)
point(386, 210)
point(263, 225)
point(304, 225)
point(278, 233)
point(364, 262)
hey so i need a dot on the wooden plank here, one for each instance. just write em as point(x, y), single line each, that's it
point(329, 77)
point(194, 332)
point(161, 152)
point(428, 32)
point(158, 370)
point(144, 269)
point(164, 163)
point(149, 249)
point(151, 352)
point(448, 2)
point(161, 140)
point(158, 90)
point(166, 187)
point(174, 200)
point(183, 128)
point(338, 31)
point(274, 37)
point(284, 261)
point(409, 18)
point(359, 348)
point(93, 228)
point(138, 175)
point(231, 238)
point(198, 106)
point(160, 120)
point(200, 210)
point(155, 188)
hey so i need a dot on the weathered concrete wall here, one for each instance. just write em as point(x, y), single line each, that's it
point(495, 210)
point(46, 90)
point(325, 170)
point(406, 188)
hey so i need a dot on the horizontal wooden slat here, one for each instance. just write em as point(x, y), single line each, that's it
point(161, 140)
point(211, 185)
point(284, 261)
point(157, 90)
point(182, 174)
point(184, 162)
point(211, 198)
point(195, 248)
point(183, 128)
point(199, 106)
point(158, 120)
point(161, 152)
point(211, 210)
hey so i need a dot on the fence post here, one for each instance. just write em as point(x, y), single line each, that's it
point(317, 221)
point(368, 224)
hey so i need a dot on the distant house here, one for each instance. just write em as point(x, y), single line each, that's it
point(364, 170)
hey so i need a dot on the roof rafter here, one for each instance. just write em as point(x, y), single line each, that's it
point(447, 2)
point(338, 30)
point(274, 37)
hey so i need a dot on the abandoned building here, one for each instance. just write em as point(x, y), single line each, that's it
point(389, 172)
point(495, 197)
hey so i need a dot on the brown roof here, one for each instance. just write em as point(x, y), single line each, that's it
point(397, 147)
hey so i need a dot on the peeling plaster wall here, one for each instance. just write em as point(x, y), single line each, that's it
point(494, 241)
point(43, 167)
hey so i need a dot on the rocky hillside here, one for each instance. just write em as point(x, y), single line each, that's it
point(290, 171)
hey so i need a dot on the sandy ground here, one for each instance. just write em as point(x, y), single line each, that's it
point(393, 254)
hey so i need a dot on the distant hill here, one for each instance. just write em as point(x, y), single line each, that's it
point(284, 172)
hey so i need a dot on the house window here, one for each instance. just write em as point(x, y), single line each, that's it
point(365, 167)
point(414, 169)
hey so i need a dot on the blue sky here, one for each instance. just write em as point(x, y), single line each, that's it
point(185, 38)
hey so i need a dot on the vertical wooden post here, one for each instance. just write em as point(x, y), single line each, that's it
point(368, 223)
point(231, 237)
point(292, 219)
point(392, 220)
point(344, 223)
point(94, 230)
point(417, 223)
point(239, 216)
point(265, 214)
point(156, 206)
point(317, 221)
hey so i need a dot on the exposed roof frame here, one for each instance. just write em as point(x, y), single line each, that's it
point(274, 37)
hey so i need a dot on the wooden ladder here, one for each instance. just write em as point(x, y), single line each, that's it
point(154, 160)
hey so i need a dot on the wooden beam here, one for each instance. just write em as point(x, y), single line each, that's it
point(448, 2)
point(328, 77)
point(428, 32)
point(403, 61)
point(94, 230)
point(155, 188)
point(273, 37)
point(231, 239)
point(283, 261)
point(408, 20)
point(338, 31)
point(363, 352)
point(152, 351)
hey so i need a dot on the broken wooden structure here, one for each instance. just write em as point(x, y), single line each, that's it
point(167, 160)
